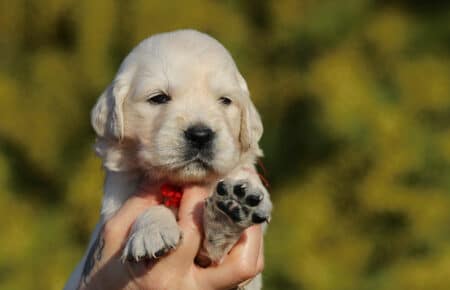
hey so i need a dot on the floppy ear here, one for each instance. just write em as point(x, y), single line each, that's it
point(107, 121)
point(251, 126)
point(107, 114)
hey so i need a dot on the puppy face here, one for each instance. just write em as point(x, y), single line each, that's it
point(178, 109)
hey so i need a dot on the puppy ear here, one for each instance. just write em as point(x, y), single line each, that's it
point(107, 114)
point(251, 126)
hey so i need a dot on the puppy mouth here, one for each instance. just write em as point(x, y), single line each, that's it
point(191, 160)
point(201, 164)
point(192, 154)
point(193, 169)
point(185, 163)
point(203, 161)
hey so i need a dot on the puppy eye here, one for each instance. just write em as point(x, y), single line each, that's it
point(159, 99)
point(224, 100)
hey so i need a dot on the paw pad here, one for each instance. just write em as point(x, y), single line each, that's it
point(242, 203)
point(253, 200)
point(221, 190)
point(239, 190)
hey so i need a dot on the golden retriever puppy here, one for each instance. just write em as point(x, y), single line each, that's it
point(179, 112)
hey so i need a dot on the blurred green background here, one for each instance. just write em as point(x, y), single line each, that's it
point(355, 98)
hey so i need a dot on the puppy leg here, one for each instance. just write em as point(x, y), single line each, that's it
point(153, 234)
point(238, 202)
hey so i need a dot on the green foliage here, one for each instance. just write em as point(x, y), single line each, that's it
point(355, 97)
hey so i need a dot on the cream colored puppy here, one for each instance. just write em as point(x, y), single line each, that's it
point(178, 112)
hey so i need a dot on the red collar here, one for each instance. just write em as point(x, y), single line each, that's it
point(171, 194)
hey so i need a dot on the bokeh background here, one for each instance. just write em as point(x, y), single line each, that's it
point(355, 98)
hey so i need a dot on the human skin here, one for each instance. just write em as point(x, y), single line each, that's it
point(176, 270)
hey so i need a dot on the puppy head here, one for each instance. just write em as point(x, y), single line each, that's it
point(178, 108)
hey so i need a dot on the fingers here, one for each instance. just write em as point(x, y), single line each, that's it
point(117, 228)
point(243, 262)
point(260, 262)
point(190, 216)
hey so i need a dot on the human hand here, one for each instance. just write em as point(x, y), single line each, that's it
point(177, 269)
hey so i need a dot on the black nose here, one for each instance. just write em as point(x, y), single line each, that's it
point(199, 135)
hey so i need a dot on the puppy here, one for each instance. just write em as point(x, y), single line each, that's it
point(179, 112)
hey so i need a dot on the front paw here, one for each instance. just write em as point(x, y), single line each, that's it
point(154, 234)
point(243, 203)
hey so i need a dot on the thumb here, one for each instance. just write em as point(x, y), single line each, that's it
point(191, 219)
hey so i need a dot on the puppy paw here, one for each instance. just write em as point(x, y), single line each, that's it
point(154, 234)
point(242, 202)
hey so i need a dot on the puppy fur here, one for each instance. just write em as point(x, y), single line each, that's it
point(143, 141)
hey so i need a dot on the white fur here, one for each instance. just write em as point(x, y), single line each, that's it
point(137, 140)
